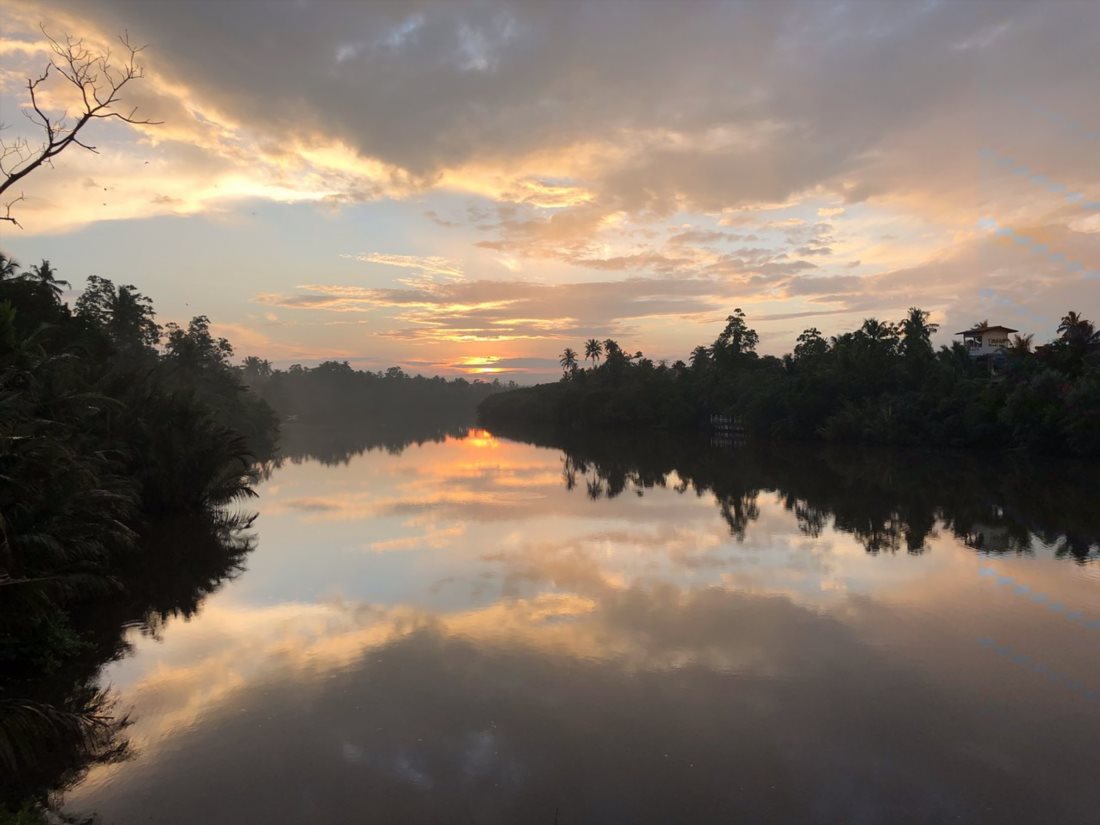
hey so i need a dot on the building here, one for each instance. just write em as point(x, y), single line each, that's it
point(986, 340)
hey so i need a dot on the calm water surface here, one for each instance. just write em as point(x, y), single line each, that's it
point(482, 630)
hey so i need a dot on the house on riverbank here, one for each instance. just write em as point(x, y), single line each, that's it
point(985, 340)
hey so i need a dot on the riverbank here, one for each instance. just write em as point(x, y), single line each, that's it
point(882, 384)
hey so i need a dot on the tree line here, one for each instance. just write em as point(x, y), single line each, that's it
point(386, 407)
point(883, 383)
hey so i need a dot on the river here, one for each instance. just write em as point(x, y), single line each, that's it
point(482, 630)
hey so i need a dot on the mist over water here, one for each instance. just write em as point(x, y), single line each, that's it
point(478, 629)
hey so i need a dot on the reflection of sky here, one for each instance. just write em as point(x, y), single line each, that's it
point(446, 527)
point(434, 621)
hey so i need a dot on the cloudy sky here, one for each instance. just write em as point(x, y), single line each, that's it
point(471, 187)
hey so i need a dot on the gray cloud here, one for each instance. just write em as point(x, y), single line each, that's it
point(589, 123)
point(727, 104)
point(500, 310)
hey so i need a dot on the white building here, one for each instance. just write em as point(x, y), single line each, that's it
point(987, 340)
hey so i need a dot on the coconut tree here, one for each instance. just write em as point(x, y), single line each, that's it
point(46, 275)
point(1020, 347)
point(8, 267)
point(700, 357)
point(1076, 330)
point(593, 349)
point(568, 361)
point(916, 334)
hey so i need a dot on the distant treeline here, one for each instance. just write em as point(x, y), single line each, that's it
point(334, 394)
point(884, 383)
point(109, 424)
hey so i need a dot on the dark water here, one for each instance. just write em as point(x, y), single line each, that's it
point(481, 630)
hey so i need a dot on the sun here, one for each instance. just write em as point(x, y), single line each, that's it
point(480, 365)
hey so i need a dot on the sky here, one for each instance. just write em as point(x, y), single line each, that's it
point(471, 187)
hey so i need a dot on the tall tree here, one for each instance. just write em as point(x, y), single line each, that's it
point(9, 267)
point(196, 347)
point(916, 334)
point(568, 361)
point(737, 338)
point(810, 344)
point(1075, 329)
point(123, 313)
point(700, 357)
point(47, 276)
point(593, 349)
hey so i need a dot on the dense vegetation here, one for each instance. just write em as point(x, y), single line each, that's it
point(881, 384)
point(107, 422)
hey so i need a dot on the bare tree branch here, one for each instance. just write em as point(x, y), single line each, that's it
point(100, 85)
point(7, 216)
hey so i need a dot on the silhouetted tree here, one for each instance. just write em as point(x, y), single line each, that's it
point(1077, 331)
point(45, 275)
point(96, 85)
point(736, 338)
point(568, 361)
point(123, 313)
point(593, 350)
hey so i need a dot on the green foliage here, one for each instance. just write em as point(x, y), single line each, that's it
point(882, 383)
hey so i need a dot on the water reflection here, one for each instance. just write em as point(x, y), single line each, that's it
point(490, 631)
point(330, 445)
point(56, 723)
point(888, 500)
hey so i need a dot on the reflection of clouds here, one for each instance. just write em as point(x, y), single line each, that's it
point(514, 512)
point(366, 506)
point(434, 537)
point(636, 702)
point(614, 659)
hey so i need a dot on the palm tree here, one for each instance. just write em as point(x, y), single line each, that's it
point(916, 333)
point(568, 361)
point(593, 349)
point(1020, 346)
point(1074, 329)
point(879, 331)
point(8, 267)
point(47, 276)
point(700, 357)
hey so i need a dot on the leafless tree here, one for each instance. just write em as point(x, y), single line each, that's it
point(99, 84)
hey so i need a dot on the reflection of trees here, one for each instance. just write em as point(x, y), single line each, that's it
point(56, 721)
point(738, 512)
point(888, 500)
point(339, 445)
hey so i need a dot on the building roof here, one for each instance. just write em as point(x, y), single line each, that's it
point(993, 328)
